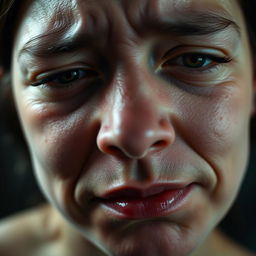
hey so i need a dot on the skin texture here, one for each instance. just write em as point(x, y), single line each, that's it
point(139, 118)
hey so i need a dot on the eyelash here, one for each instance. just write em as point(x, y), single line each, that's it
point(213, 61)
point(78, 74)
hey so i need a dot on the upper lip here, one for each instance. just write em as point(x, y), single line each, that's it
point(130, 192)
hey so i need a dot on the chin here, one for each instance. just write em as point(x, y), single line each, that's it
point(154, 238)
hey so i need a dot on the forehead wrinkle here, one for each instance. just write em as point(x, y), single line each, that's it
point(52, 9)
point(151, 10)
point(60, 24)
point(69, 29)
point(93, 20)
point(102, 21)
point(193, 16)
point(64, 18)
point(106, 21)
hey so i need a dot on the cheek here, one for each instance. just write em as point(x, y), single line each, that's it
point(217, 129)
point(59, 142)
point(217, 123)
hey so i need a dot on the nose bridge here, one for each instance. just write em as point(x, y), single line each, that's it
point(138, 102)
point(135, 121)
point(141, 109)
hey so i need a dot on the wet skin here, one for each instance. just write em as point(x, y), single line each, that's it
point(126, 96)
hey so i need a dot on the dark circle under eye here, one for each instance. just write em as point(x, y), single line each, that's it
point(193, 60)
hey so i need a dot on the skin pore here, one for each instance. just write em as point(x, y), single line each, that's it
point(126, 96)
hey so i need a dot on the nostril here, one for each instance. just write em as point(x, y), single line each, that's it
point(113, 150)
point(135, 140)
point(160, 144)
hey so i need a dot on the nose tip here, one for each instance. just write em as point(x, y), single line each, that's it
point(135, 143)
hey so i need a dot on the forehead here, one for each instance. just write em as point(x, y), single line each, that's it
point(55, 13)
point(53, 6)
point(98, 17)
point(73, 23)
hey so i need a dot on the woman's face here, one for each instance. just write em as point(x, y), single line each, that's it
point(136, 114)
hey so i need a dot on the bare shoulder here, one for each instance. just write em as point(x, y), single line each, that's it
point(21, 233)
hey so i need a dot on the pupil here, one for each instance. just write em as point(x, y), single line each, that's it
point(193, 61)
point(69, 76)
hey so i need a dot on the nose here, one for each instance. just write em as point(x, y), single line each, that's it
point(135, 121)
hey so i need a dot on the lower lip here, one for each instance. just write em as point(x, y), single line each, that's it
point(158, 205)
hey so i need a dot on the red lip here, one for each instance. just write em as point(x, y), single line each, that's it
point(134, 203)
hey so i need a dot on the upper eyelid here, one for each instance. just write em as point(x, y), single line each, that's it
point(215, 65)
point(218, 59)
point(48, 79)
point(54, 76)
point(42, 81)
point(213, 57)
point(47, 71)
point(198, 49)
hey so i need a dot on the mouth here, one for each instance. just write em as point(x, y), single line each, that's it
point(155, 201)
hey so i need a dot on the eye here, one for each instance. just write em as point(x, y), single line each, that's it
point(196, 61)
point(66, 78)
point(70, 76)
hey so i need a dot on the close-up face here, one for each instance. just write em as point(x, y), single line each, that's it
point(136, 114)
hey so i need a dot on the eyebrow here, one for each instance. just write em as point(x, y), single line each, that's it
point(194, 24)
